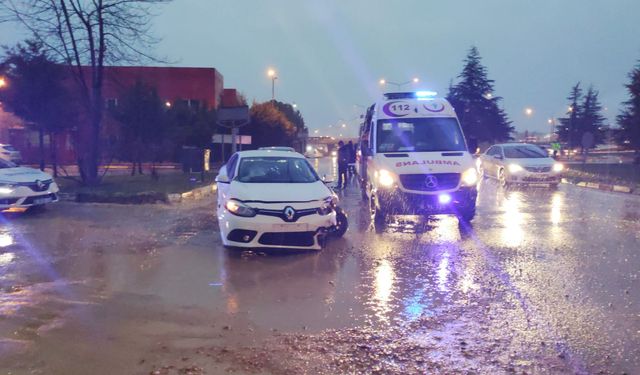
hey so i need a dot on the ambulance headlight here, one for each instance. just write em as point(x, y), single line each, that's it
point(515, 168)
point(385, 178)
point(470, 177)
point(558, 167)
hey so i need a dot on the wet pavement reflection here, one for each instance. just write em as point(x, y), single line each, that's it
point(543, 281)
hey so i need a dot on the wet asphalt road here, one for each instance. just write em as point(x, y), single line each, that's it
point(543, 282)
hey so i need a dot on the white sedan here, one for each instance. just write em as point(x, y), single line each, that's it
point(22, 188)
point(275, 199)
point(519, 163)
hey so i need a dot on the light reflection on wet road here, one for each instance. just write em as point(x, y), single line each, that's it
point(544, 281)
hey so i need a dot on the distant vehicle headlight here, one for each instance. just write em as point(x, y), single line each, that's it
point(558, 167)
point(515, 168)
point(240, 209)
point(470, 177)
point(385, 178)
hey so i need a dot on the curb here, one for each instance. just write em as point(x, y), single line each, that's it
point(194, 194)
point(604, 187)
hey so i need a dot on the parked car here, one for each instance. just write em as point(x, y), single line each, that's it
point(8, 152)
point(519, 163)
point(275, 199)
point(22, 188)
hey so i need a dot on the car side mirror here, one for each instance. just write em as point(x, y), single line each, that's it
point(472, 143)
point(325, 180)
point(222, 176)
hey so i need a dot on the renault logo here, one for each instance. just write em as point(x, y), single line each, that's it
point(289, 213)
point(431, 182)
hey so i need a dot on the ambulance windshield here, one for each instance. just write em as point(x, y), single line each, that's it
point(419, 135)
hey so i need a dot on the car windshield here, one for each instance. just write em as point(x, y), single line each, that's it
point(6, 164)
point(419, 135)
point(524, 152)
point(272, 169)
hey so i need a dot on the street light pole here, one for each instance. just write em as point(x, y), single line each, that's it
point(272, 73)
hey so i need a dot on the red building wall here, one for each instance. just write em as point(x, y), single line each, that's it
point(201, 85)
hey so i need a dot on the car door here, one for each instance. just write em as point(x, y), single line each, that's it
point(487, 161)
point(225, 187)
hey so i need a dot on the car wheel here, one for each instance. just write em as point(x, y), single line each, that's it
point(502, 178)
point(342, 223)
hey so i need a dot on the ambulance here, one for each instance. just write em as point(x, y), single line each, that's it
point(413, 159)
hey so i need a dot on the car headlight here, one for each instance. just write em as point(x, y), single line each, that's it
point(385, 178)
point(515, 168)
point(558, 167)
point(6, 189)
point(470, 177)
point(328, 205)
point(240, 209)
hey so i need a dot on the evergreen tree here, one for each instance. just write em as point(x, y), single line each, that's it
point(629, 118)
point(592, 121)
point(37, 93)
point(584, 117)
point(476, 105)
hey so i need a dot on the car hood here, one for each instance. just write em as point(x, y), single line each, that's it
point(531, 162)
point(303, 192)
point(22, 174)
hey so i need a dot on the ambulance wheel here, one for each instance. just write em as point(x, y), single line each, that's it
point(378, 215)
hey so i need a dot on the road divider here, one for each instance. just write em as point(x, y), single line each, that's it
point(140, 198)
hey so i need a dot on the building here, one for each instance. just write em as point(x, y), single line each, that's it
point(194, 87)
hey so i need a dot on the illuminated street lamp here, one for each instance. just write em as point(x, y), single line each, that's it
point(384, 82)
point(528, 111)
point(167, 104)
point(272, 74)
point(3, 82)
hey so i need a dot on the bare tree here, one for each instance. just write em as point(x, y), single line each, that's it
point(86, 35)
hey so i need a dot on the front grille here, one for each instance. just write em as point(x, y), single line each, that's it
point(430, 182)
point(9, 201)
point(31, 200)
point(540, 169)
point(539, 179)
point(281, 214)
point(304, 239)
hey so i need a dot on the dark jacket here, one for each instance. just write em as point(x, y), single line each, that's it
point(344, 155)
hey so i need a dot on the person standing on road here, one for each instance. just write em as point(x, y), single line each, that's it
point(343, 164)
point(352, 158)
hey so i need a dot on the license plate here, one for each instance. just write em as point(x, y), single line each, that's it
point(295, 227)
point(42, 200)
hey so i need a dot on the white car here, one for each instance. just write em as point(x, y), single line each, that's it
point(519, 163)
point(275, 199)
point(8, 152)
point(22, 187)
